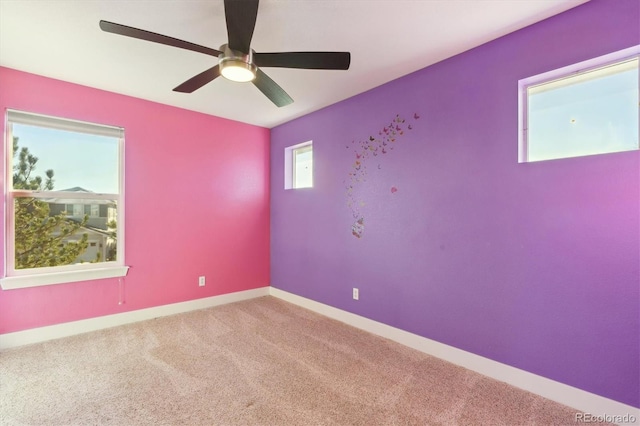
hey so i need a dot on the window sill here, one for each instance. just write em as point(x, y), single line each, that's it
point(37, 280)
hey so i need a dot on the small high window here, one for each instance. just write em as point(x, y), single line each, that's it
point(584, 109)
point(298, 160)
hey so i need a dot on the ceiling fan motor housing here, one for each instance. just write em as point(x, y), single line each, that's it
point(236, 65)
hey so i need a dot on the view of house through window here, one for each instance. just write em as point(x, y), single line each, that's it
point(581, 113)
point(65, 193)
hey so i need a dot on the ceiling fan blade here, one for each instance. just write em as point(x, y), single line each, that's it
point(199, 80)
point(306, 60)
point(124, 30)
point(241, 21)
point(271, 89)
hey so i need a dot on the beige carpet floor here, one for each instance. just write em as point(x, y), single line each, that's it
point(258, 362)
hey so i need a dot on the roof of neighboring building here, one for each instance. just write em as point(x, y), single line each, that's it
point(76, 189)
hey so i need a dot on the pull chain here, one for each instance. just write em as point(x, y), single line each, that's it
point(121, 291)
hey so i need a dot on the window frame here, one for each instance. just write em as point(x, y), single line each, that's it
point(298, 151)
point(290, 155)
point(569, 71)
point(13, 278)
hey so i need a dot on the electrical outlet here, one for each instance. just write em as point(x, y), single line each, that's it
point(356, 294)
point(201, 281)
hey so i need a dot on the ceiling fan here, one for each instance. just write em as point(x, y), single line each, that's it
point(237, 61)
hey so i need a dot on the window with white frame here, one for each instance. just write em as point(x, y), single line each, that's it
point(298, 160)
point(584, 109)
point(64, 201)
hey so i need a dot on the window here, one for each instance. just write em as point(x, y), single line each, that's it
point(585, 109)
point(298, 160)
point(60, 175)
point(78, 210)
point(303, 167)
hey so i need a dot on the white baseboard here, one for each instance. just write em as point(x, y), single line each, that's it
point(51, 332)
point(573, 397)
point(564, 394)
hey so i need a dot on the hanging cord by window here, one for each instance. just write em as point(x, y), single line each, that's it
point(121, 291)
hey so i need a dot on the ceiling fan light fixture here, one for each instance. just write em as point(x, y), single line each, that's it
point(236, 66)
point(237, 71)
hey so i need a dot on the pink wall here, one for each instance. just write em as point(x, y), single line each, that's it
point(197, 203)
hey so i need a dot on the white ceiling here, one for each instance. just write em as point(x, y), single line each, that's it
point(387, 39)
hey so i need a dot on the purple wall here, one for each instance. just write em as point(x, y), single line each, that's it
point(533, 265)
